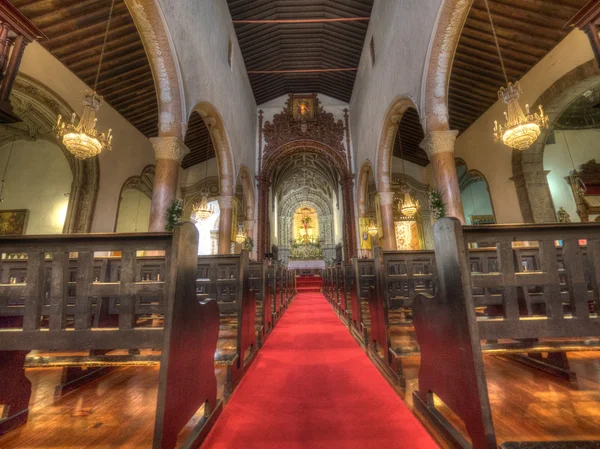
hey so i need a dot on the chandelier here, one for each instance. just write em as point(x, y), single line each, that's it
point(372, 229)
point(83, 139)
point(240, 237)
point(203, 210)
point(408, 207)
point(521, 129)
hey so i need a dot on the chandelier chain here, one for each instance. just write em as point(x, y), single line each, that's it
point(487, 6)
point(110, 14)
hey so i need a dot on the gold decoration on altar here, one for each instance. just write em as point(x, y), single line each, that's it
point(407, 236)
point(306, 225)
point(365, 225)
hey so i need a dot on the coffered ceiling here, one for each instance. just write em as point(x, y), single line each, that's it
point(75, 31)
point(527, 30)
point(300, 46)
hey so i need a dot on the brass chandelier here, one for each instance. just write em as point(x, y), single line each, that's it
point(372, 229)
point(408, 207)
point(241, 236)
point(521, 129)
point(83, 140)
point(203, 211)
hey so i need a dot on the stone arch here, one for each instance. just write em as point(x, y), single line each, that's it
point(142, 182)
point(385, 148)
point(38, 106)
point(337, 159)
point(467, 176)
point(155, 36)
point(362, 187)
point(529, 176)
point(247, 191)
point(218, 134)
point(193, 194)
point(446, 34)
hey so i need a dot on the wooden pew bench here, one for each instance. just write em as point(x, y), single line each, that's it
point(550, 309)
point(48, 322)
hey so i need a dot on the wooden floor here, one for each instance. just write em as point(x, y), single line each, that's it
point(117, 410)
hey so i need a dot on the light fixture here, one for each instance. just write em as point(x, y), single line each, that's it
point(240, 237)
point(83, 139)
point(408, 207)
point(372, 229)
point(203, 211)
point(520, 130)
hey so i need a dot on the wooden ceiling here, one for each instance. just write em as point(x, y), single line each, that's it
point(75, 30)
point(198, 140)
point(408, 138)
point(316, 56)
point(527, 30)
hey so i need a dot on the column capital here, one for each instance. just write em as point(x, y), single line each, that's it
point(225, 202)
point(169, 148)
point(386, 198)
point(439, 142)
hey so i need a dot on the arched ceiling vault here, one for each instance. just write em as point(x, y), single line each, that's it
point(305, 172)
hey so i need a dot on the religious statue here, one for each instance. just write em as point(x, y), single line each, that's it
point(563, 216)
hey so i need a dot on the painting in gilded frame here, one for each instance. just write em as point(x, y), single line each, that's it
point(303, 107)
point(13, 222)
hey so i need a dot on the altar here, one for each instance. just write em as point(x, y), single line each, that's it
point(306, 264)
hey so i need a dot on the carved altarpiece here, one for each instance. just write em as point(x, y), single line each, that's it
point(304, 126)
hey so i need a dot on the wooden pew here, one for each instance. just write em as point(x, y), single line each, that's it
point(399, 277)
point(227, 278)
point(187, 338)
point(343, 294)
point(453, 332)
point(364, 275)
point(259, 285)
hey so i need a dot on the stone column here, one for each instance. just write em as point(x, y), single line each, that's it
point(386, 201)
point(169, 152)
point(349, 218)
point(263, 218)
point(439, 146)
point(535, 198)
point(225, 224)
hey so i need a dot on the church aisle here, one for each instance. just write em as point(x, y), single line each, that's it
point(312, 387)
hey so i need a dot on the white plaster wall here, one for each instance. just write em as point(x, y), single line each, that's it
point(134, 212)
point(200, 31)
point(131, 152)
point(583, 145)
point(198, 172)
point(37, 179)
point(411, 169)
point(402, 31)
point(476, 145)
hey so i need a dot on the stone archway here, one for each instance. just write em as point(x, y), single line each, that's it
point(529, 176)
point(153, 31)
point(39, 107)
point(434, 100)
point(362, 187)
point(337, 160)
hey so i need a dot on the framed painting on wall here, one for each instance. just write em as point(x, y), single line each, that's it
point(13, 222)
point(303, 107)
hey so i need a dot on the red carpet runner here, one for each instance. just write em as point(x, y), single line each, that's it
point(312, 387)
point(309, 284)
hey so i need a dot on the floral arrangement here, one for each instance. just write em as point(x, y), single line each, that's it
point(173, 214)
point(437, 204)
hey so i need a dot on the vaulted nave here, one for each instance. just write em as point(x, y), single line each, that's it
point(237, 224)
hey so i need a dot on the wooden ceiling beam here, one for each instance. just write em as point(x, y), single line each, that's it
point(315, 20)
